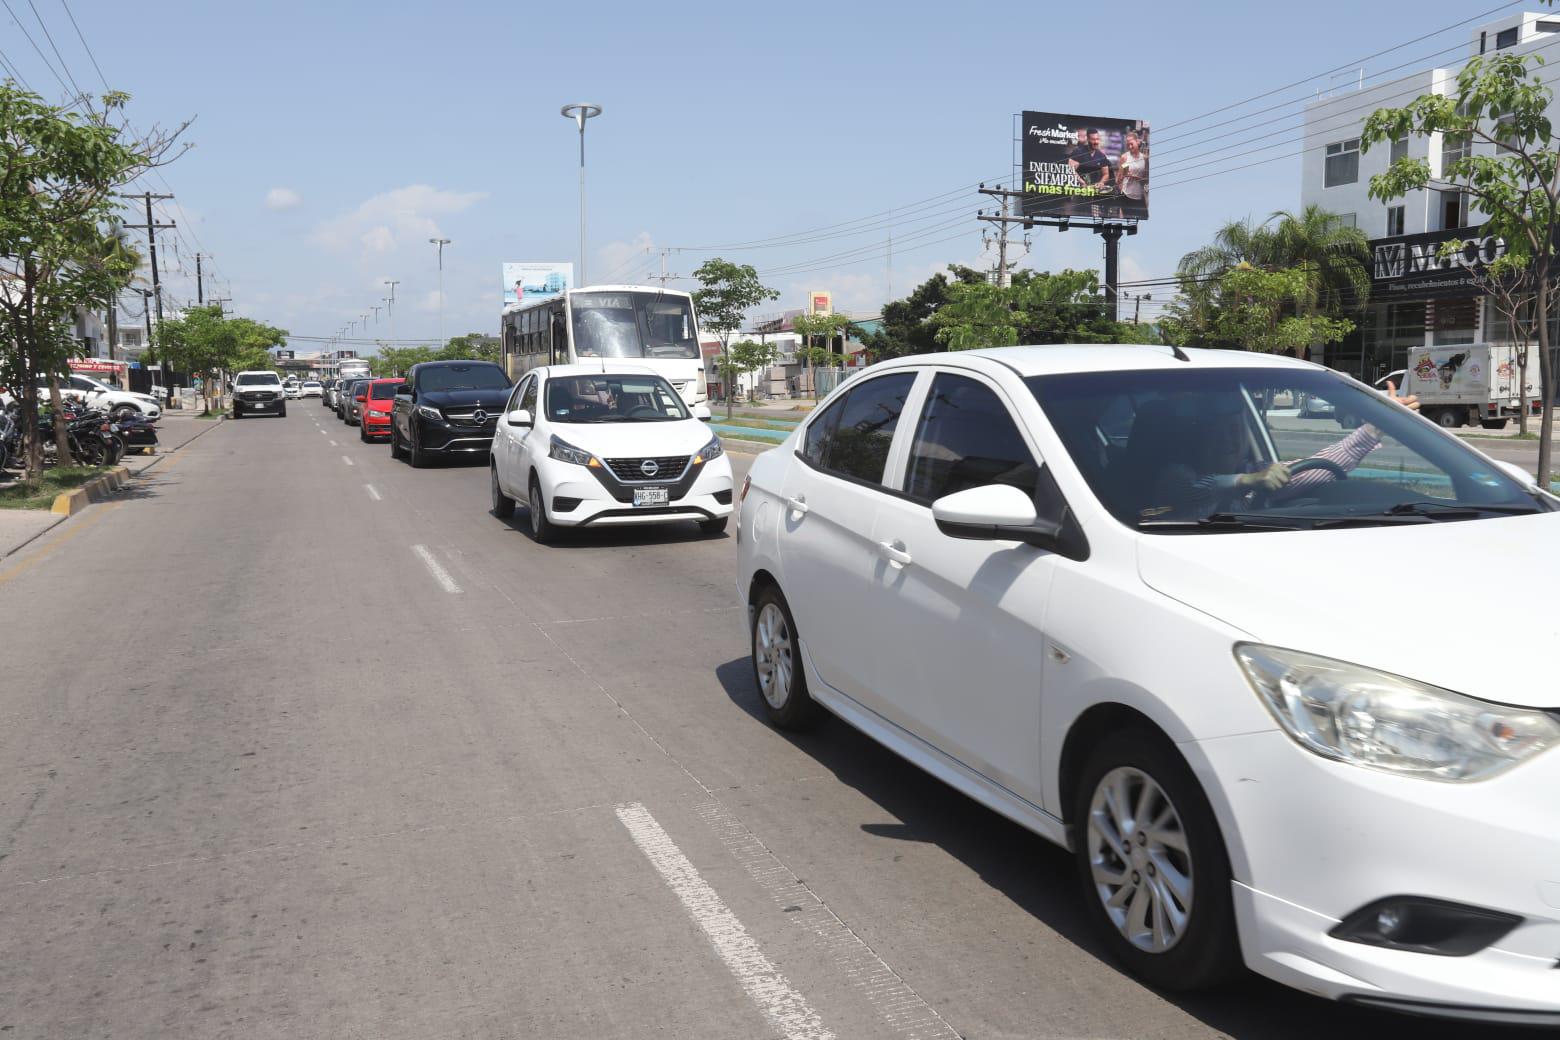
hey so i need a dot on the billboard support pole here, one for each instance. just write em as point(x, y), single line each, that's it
point(1111, 233)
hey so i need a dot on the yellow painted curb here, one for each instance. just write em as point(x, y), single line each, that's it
point(69, 503)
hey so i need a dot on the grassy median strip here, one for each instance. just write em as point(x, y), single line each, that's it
point(40, 493)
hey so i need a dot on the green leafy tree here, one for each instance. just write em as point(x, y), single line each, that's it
point(397, 361)
point(205, 342)
point(1258, 309)
point(726, 293)
point(473, 346)
point(1038, 307)
point(823, 327)
point(1511, 174)
point(743, 358)
point(906, 326)
point(59, 169)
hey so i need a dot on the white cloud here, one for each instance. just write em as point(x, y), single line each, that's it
point(403, 216)
point(282, 198)
point(626, 261)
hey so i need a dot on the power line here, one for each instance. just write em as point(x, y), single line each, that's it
point(90, 56)
point(38, 50)
point(50, 37)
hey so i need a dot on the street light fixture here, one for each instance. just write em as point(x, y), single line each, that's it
point(441, 243)
point(580, 112)
point(390, 305)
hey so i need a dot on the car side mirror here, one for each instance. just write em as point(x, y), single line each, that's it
point(360, 397)
point(701, 412)
point(519, 417)
point(994, 512)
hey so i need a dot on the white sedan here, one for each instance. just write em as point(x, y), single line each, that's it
point(606, 446)
point(1098, 590)
point(312, 388)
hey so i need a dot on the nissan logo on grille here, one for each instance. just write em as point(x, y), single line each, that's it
point(649, 467)
point(479, 417)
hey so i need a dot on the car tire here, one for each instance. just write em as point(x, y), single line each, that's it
point(713, 528)
point(503, 505)
point(1493, 424)
point(238, 411)
point(282, 413)
point(415, 454)
point(1450, 418)
point(363, 435)
point(396, 451)
point(776, 654)
point(124, 411)
point(543, 530)
point(1129, 766)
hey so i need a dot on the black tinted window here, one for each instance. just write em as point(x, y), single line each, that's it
point(474, 376)
point(866, 427)
point(382, 391)
point(966, 438)
point(820, 433)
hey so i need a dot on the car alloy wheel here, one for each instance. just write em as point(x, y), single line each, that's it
point(1140, 859)
point(772, 656)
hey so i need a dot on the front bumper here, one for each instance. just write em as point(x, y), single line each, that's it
point(1313, 840)
point(376, 424)
point(455, 438)
point(600, 500)
point(273, 405)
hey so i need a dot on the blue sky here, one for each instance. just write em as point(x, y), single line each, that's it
point(331, 140)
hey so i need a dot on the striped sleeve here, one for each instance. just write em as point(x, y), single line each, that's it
point(1347, 453)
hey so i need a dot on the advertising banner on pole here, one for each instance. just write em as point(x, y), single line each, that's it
point(526, 281)
point(1090, 167)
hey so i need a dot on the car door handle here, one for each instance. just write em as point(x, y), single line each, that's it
point(797, 505)
point(895, 553)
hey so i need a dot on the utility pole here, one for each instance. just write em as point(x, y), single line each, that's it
point(1004, 269)
point(441, 243)
point(200, 292)
point(390, 305)
point(889, 295)
point(663, 277)
point(151, 227)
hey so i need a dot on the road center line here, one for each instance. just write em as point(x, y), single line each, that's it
point(785, 1008)
point(345, 459)
point(435, 568)
point(373, 492)
point(333, 444)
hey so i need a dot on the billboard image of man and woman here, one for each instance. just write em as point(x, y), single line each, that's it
point(1085, 166)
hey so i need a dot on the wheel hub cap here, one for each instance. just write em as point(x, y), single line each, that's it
point(1139, 859)
point(772, 656)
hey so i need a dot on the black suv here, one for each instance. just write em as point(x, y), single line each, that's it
point(447, 408)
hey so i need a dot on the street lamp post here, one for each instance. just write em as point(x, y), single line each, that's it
point(441, 243)
point(390, 305)
point(580, 112)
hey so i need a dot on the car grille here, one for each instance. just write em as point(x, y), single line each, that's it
point(464, 418)
point(257, 395)
point(668, 467)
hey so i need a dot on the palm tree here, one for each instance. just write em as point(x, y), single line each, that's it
point(1239, 241)
point(1334, 254)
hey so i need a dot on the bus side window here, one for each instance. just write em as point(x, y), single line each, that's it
point(560, 336)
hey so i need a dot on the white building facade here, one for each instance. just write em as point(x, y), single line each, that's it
point(1418, 298)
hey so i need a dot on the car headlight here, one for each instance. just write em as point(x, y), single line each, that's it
point(712, 450)
point(563, 451)
point(1382, 721)
point(430, 413)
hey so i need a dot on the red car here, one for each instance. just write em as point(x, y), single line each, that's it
point(374, 402)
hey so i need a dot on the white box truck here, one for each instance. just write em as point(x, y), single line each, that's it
point(1476, 383)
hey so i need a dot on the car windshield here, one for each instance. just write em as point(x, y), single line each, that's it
point(475, 376)
point(311, 383)
point(1228, 449)
point(382, 391)
point(609, 398)
point(633, 324)
point(258, 379)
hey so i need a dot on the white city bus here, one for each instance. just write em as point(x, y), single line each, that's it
point(655, 327)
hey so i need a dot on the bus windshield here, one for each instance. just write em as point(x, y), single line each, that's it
point(633, 325)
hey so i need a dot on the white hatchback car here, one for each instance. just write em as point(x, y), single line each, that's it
point(1111, 594)
point(606, 446)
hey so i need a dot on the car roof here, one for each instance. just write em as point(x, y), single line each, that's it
point(609, 369)
point(1060, 358)
point(454, 361)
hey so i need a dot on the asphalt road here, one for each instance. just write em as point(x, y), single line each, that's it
point(301, 742)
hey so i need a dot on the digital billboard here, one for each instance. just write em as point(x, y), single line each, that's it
point(1085, 166)
point(526, 281)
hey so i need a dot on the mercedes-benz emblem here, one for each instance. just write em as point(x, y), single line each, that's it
point(649, 467)
point(479, 417)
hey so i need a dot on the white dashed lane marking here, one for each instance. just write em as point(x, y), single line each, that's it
point(786, 1009)
point(435, 568)
point(373, 492)
point(345, 459)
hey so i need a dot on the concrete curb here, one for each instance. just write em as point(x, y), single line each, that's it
point(69, 503)
point(742, 447)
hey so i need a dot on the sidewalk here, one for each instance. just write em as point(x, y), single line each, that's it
point(18, 527)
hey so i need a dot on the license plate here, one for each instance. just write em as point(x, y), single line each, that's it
point(655, 496)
